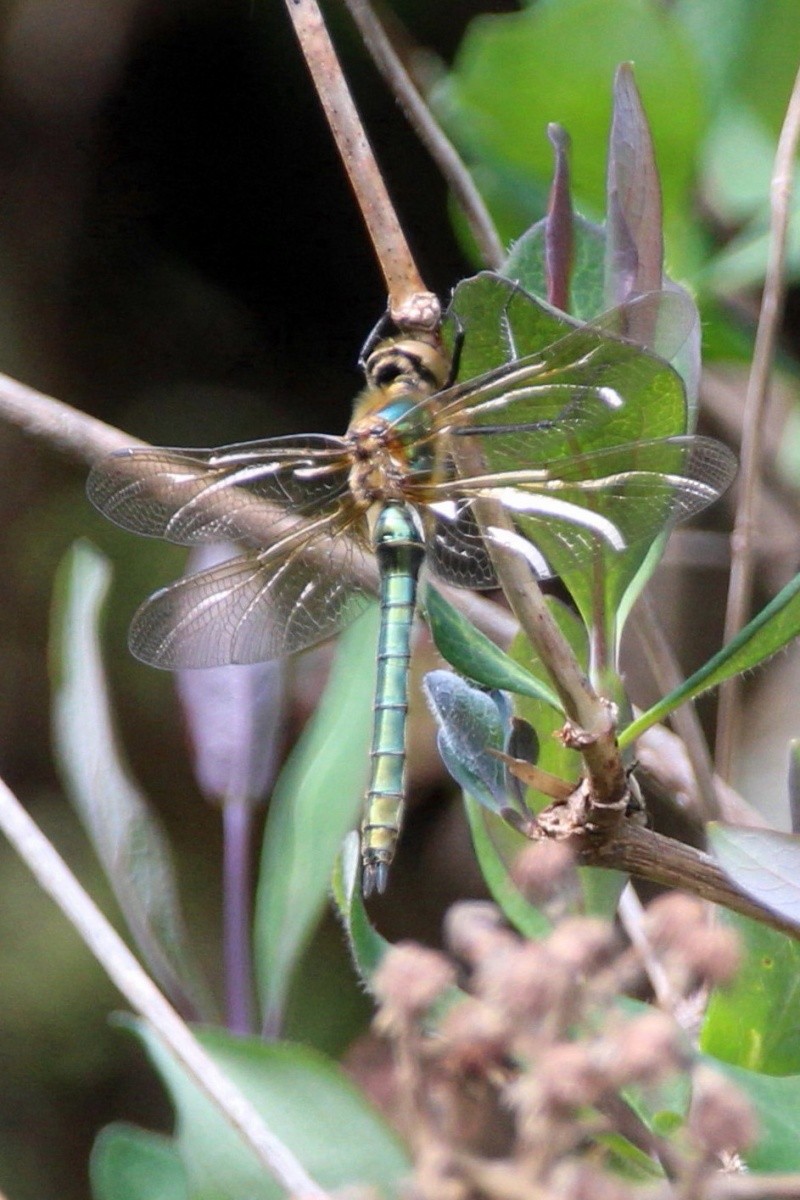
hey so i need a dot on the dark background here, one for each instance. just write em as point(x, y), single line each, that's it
point(180, 255)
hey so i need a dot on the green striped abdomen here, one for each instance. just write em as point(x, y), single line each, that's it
point(399, 550)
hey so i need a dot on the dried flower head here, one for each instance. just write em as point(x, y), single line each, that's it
point(473, 1040)
point(410, 979)
point(524, 982)
point(583, 944)
point(585, 1181)
point(720, 1117)
point(672, 920)
point(474, 929)
point(713, 955)
point(545, 871)
point(646, 1048)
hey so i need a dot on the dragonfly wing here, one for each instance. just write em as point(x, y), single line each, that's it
point(256, 607)
point(191, 496)
point(614, 498)
point(457, 552)
point(661, 322)
point(593, 377)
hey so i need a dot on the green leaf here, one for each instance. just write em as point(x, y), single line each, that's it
point(488, 833)
point(469, 722)
point(129, 1163)
point(317, 799)
point(366, 944)
point(774, 626)
point(307, 1102)
point(475, 656)
point(776, 1102)
point(517, 72)
point(124, 831)
point(763, 863)
point(526, 264)
point(753, 1021)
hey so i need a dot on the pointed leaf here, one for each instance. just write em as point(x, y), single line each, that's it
point(125, 832)
point(487, 829)
point(317, 799)
point(367, 947)
point(475, 656)
point(308, 1103)
point(234, 715)
point(129, 1163)
point(774, 626)
point(762, 863)
point(469, 721)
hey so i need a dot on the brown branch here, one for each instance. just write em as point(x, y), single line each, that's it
point(429, 132)
point(655, 858)
point(410, 304)
point(742, 542)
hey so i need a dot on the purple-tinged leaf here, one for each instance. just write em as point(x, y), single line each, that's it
point(763, 863)
point(124, 831)
point(234, 716)
point(635, 245)
point(559, 228)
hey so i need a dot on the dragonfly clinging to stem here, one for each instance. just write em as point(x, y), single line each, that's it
point(410, 481)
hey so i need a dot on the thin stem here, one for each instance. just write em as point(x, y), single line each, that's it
point(668, 677)
point(55, 878)
point(410, 304)
point(742, 542)
point(429, 132)
point(237, 830)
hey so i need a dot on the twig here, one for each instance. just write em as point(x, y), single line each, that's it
point(659, 859)
point(410, 304)
point(661, 660)
point(429, 132)
point(742, 543)
point(631, 913)
point(55, 878)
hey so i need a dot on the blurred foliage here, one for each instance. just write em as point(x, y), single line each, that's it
point(179, 253)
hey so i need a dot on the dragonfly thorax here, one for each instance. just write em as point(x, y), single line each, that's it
point(388, 433)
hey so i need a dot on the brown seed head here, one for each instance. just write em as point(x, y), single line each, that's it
point(411, 978)
point(525, 982)
point(646, 1048)
point(672, 920)
point(473, 1040)
point(474, 929)
point(571, 1075)
point(583, 944)
point(544, 871)
point(584, 1181)
point(713, 954)
point(720, 1117)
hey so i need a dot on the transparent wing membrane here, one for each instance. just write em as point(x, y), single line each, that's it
point(255, 607)
point(192, 496)
point(615, 497)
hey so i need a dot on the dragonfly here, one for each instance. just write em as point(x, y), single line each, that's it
point(422, 462)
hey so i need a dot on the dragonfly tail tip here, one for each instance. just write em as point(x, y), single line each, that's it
point(375, 878)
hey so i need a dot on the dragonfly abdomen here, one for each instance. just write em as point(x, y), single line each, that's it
point(400, 551)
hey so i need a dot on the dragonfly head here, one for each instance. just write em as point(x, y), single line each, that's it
point(403, 366)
